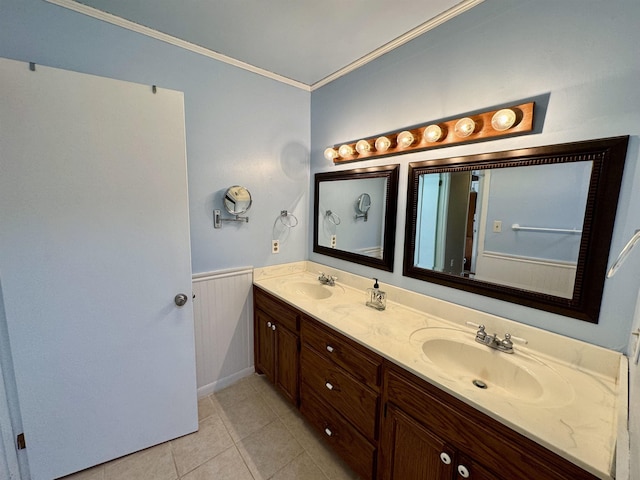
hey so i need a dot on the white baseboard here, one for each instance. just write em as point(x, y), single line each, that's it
point(224, 382)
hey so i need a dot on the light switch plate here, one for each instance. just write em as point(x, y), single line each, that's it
point(497, 226)
point(275, 246)
point(333, 241)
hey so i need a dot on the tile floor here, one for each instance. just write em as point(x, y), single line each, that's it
point(247, 431)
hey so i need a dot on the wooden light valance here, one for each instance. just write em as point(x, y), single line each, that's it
point(503, 122)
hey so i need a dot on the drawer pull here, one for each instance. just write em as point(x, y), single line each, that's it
point(463, 471)
point(328, 432)
point(446, 459)
point(268, 324)
point(329, 348)
point(329, 386)
point(273, 327)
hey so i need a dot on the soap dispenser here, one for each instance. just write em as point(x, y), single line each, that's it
point(376, 298)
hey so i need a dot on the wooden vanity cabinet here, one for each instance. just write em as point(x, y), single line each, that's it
point(340, 394)
point(277, 342)
point(429, 435)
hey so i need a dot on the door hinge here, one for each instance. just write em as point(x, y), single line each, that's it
point(21, 442)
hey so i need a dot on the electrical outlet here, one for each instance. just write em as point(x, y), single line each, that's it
point(497, 226)
point(333, 241)
point(275, 246)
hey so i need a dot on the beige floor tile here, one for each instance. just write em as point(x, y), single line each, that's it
point(280, 405)
point(206, 407)
point(228, 465)
point(235, 393)
point(194, 449)
point(155, 463)
point(301, 468)
point(246, 416)
point(269, 450)
point(95, 473)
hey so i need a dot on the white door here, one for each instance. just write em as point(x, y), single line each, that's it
point(94, 246)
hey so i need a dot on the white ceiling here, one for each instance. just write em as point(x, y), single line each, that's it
point(307, 41)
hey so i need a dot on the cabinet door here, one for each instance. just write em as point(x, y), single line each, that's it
point(411, 452)
point(265, 351)
point(287, 363)
point(466, 468)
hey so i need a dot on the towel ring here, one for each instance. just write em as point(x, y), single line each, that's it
point(289, 220)
point(332, 217)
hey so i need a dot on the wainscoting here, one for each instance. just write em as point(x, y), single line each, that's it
point(546, 276)
point(223, 316)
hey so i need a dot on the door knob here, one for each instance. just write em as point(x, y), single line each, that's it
point(180, 299)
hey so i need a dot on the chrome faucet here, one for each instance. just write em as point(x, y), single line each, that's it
point(493, 341)
point(330, 280)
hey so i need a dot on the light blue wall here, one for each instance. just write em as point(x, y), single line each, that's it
point(537, 196)
point(579, 57)
point(242, 128)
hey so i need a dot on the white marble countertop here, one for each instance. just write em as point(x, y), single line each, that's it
point(581, 424)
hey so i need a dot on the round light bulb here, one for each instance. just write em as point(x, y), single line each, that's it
point(503, 119)
point(330, 154)
point(383, 144)
point(432, 133)
point(345, 150)
point(464, 127)
point(362, 146)
point(405, 139)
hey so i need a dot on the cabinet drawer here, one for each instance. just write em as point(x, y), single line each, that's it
point(359, 454)
point(365, 367)
point(352, 399)
point(282, 313)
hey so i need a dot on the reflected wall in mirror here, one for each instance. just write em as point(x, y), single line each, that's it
point(341, 206)
point(530, 226)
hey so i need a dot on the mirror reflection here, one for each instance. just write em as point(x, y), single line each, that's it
point(530, 226)
point(237, 200)
point(517, 226)
point(355, 213)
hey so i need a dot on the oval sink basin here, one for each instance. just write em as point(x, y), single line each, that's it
point(315, 291)
point(458, 355)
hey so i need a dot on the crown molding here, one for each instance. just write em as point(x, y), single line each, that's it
point(163, 37)
point(399, 41)
point(393, 44)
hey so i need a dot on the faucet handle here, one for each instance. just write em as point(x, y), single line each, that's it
point(508, 336)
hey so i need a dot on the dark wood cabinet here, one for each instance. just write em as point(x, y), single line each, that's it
point(429, 434)
point(276, 343)
point(384, 421)
point(340, 394)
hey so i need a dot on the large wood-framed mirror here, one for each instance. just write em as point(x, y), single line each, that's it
point(531, 226)
point(355, 215)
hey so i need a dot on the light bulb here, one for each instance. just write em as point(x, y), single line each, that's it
point(432, 133)
point(363, 147)
point(464, 127)
point(330, 154)
point(405, 139)
point(345, 150)
point(503, 119)
point(383, 144)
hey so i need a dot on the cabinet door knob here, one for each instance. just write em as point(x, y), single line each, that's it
point(329, 386)
point(273, 327)
point(328, 432)
point(446, 459)
point(329, 348)
point(268, 324)
point(463, 471)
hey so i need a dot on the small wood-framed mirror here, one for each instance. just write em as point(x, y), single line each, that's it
point(363, 204)
point(339, 233)
point(530, 226)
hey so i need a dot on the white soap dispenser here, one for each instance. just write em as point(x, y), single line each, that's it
point(376, 298)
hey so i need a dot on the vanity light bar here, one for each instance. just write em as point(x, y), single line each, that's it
point(517, 119)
